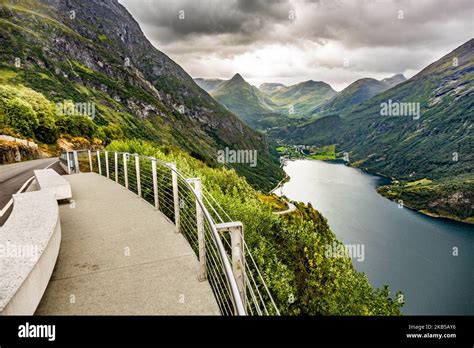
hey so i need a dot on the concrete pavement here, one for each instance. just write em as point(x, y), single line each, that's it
point(120, 256)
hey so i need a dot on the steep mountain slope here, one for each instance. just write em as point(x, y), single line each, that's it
point(358, 92)
point(437, 145)
point(94, 51)
point(407, 147)
point(243, 99)
point(208, 84)
point(303, 97)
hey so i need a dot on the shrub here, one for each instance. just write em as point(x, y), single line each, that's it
point(21, 116)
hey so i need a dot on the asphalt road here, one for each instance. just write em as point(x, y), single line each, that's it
point(13, 176)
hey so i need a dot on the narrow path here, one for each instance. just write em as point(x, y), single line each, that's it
point(291, 208)
point(120, 256)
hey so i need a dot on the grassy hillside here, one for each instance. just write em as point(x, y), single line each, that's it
point(301, 99)
point(245, 100)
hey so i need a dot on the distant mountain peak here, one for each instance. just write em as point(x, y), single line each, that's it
point(394, 80)
point(237, 78)
point(310, 82)
point(399, 76)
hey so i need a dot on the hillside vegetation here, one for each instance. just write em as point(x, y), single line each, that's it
point(243, 99)
point(289, 249)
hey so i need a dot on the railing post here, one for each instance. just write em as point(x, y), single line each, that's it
point(137, 168)
point(116, 166)
point(68, 163)
point(98, 162)
point(107, 164)
point(200, 230)
point(125, 171)
point(174, 180)
point(76, 162)
point(90, 159)
point(155, 183)
point(236, 231)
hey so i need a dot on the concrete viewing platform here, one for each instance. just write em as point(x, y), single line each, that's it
point(119, 256)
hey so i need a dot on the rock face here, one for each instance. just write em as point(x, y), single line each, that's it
point(95, 50)
point(11, 152)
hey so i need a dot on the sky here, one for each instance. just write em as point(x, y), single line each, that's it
point(290, 41)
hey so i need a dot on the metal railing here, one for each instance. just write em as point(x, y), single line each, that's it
point(224, 258)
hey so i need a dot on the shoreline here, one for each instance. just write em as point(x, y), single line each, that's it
point(450, 218)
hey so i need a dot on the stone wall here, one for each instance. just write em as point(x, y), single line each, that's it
point(11, 152)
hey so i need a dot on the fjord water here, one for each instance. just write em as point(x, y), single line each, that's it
point(407, 250)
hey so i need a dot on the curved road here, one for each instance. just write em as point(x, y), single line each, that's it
point(14, 176)
point(291, 208)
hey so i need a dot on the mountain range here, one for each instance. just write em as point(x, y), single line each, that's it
point(358, 92)
point(301, 99)
point(435, 144)
point(276, 105)
point(94, 51)
point(238, 96)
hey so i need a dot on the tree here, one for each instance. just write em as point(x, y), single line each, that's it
point(21, 116)
point(47, 131)
point(76, 125)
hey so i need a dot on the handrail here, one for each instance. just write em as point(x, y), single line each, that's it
point(113, 170)
point(239, 286)
point(228, 270)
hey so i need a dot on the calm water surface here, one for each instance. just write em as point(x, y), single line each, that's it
point(404, 249)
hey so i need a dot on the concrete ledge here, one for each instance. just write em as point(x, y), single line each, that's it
point(29, 247)
point(64, 167)
point(49, 180)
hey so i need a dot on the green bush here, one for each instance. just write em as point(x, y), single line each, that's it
point(21, 116)
point(76, 125)
point(28, 112)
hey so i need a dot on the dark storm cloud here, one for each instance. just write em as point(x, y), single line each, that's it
point(212, 17)
point(309, 39)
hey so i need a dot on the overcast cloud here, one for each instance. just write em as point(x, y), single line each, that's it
point(290, 41)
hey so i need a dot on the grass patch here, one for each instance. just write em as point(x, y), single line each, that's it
point(423, 181)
